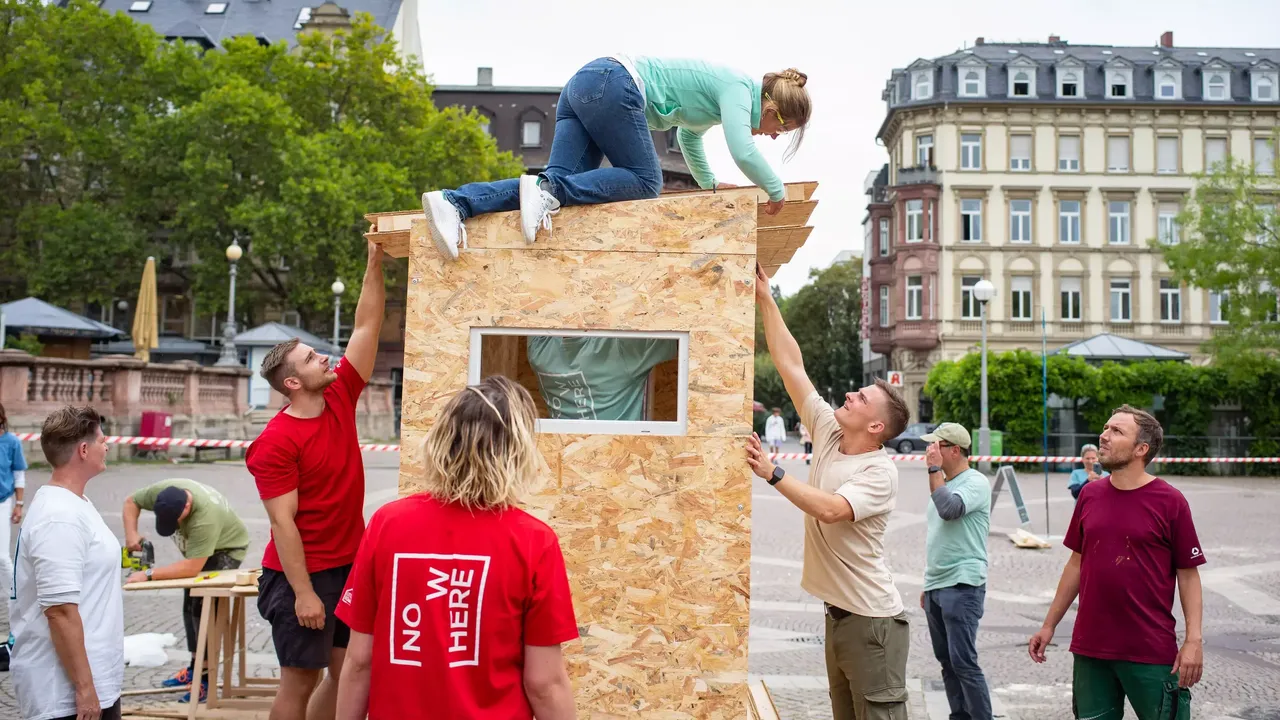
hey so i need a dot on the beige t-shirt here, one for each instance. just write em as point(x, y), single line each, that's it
point(844, 562)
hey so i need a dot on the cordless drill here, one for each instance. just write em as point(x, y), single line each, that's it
point(138, 560)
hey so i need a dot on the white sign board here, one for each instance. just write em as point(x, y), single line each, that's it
point(894, 378)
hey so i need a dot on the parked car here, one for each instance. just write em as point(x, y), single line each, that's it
point(909, 441)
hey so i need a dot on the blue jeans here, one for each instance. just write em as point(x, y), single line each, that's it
point(953, 614)
point(600, 115)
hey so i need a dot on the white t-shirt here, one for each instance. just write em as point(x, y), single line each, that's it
point(66, 554)
point(775, 429)
point(844, 562)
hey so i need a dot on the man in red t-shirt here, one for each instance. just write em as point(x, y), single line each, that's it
point(459, 601)
point(310, 475)
point(1131, 539)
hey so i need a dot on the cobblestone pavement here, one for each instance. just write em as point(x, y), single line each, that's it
point(1235, 518)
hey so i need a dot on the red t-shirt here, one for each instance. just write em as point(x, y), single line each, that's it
point(451, 597)
point(1131, 543)
point(320, 458)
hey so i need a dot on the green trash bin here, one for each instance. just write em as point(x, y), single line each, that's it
point(997, 442)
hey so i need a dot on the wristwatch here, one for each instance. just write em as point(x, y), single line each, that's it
point(778, 474)
point(935, 469)
point(148, 573)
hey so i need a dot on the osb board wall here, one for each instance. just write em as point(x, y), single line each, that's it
point(655, 530)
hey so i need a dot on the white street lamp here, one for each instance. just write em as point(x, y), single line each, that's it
point(983, 292)
point(229, 355)
point(338, 288)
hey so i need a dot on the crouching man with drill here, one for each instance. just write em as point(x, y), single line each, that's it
point(207, 533)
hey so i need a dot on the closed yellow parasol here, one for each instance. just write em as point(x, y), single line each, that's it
point(146, 317)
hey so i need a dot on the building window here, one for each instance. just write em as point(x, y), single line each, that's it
point(217, 8)
point(884, 306)
point(1020, 221)
point(970, 152)
point(915, 221)
point(1167, 155)
point(1020, 153)
point(140, 6)
point(924, 151)
point(884, 237)
point(1069, 222)
point(1118, 222)
point(1021, 84)
point(1070, 297)
point(304, 17)
point(1216, 86)
point(1215, 151)
point(1118, 154)
point(923, 85)
point(1170, 301)
point(486, 124)
point(1167, 223)
point(1020, 299)
point(1264, 156)
point(970, 308)
point(971, 220)
point(1218, 307)
point(1121, 307)
point(1168, 87)
point(531, 133)
point(915, 297)
point(1264, 87)
point(1070, 85)
point(1068, 153)
point(1118, 85)
point(972, 86)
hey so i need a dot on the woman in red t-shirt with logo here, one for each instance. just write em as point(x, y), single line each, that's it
point(458, 601)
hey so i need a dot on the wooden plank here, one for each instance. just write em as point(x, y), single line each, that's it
point(792, 213)
point(792, 191)
point(218, 579)
point(394, 243)
point(761, 701)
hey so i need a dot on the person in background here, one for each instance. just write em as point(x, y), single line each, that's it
point(775, 431)
point(1090, 472)
point(66, 607)
point(209, 535)
point(807, 440)
point(955, 574)
point(1131, 539)
point(13, 480)
point(417, 653)
point(594, 378)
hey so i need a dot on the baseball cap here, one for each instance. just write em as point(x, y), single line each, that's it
point(170, 504)
point(953, 433)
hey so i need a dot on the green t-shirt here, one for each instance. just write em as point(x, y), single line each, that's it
point(211, 525)
point(956, 550)
point(591, 378)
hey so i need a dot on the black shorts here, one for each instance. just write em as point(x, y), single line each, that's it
point(297, 646)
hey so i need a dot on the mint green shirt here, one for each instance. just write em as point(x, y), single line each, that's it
point(956, 550)
point(696, 96)
point(592, 378)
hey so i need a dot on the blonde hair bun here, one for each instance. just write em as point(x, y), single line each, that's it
point(794, 76)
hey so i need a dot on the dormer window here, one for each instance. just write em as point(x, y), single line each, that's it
point(1070, 85)
point(1021, 84)
point(971, 84)
point(922, 85)
point(1217, 81)
point(1021, 72)
point(1119, 84)
point(972, 75)
point(1168, 87)
point(1265, 81)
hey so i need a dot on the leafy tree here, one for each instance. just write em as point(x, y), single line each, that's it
point(825, 316)
point(1231, 243)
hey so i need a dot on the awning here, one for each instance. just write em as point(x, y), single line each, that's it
point(1114, 347)
point(274, 333)
point(37, 317)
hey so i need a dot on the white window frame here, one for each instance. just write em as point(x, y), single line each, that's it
point(972, 219)
point(975, 86)
point(1161, 142)
point(919, 298)
point(1167, 230)
point(1119, 222)
point(304, 17)
point(1217, 301)
point(1072, 76)
point(216, 8)
point(924, 144)
point(1170, 302)
point(1259, 79)
point(925, 78)
point(1168, 78)
point(971, 151)
point(970, 306)
point(1072, 219)
point(1027, 299)
point(1118, 295)
point(678, 427)
point(1030, 74)
point(1224, 84)
point(1020, 226)
point(1020, 163)
point(140, 6)
point(915, 221)
point(1072, 297)
point(1065, 163)
point(1264, 156)
point(1209, 162)
point(1113, 162)
point(884, 237)
point(884, 306)
point(524, 133)
point(1119, 76)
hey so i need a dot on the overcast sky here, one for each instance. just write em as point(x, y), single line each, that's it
point(846, 49)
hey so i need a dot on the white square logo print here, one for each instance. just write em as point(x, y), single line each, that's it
point(439, 595)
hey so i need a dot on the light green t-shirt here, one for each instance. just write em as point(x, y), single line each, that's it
point(211, 526)
point(591, 378)
point(956, 550)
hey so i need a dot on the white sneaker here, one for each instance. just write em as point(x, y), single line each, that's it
point(445, 222)
point(536, 207)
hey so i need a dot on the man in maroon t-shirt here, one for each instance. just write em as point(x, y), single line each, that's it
point(310, 475)
point(1131, 539)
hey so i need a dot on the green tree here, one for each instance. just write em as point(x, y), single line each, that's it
point(1231, 243)
point(825, 316)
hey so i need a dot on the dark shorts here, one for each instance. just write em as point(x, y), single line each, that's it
point(297, 646)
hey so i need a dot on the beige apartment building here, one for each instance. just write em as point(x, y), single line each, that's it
point(1049, 169)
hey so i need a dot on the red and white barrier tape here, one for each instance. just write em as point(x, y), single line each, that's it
point(372, 447)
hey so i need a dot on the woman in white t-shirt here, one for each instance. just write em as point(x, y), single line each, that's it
point(775, 431)
point(67, 591)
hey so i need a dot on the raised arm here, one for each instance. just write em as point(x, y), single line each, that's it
point(362, 348)
point(783, 349)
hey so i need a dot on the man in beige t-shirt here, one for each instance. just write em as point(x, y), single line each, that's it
point(852, 488)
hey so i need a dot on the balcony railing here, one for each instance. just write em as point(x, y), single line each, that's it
point(918, 175)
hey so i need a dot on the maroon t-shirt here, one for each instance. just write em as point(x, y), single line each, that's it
point(1131, 543)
